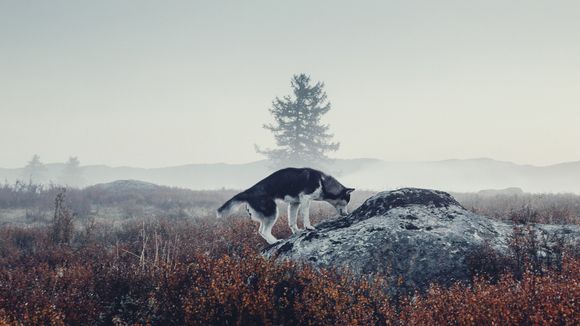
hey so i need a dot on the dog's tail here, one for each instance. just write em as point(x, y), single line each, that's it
point(228, 206)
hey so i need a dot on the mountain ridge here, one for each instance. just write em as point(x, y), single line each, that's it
point(463, 175)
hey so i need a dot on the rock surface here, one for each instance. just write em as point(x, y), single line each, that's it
point(421, 235)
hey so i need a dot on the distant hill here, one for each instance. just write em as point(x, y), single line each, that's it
point(514, 191)
point(451, 175)
point(121, 186)
point(470, 175)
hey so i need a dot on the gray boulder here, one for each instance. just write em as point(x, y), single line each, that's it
point(414, 236)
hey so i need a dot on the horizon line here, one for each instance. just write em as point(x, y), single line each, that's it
point(338, 159)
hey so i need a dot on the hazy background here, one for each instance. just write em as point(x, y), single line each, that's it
point(161, 83)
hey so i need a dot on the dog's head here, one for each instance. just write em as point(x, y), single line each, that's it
point(336, 194)
point(341, 202)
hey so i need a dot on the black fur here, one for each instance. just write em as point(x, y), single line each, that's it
point(287, 182)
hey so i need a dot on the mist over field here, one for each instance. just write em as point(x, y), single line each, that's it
point(178, 94)
point(329, 162)
point(370, 174)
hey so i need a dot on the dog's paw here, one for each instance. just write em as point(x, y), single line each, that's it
point(310, 228)
point(295, 230)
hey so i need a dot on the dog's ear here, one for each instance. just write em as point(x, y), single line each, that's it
point(349, 190)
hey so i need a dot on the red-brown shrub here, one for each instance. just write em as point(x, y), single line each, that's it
point(208, 271)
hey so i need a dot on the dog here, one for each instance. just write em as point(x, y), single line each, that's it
point(297, 187)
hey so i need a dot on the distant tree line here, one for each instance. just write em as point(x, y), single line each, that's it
point(35, 172)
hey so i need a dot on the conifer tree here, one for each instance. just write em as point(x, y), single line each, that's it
point(301, 137)
point(34, 171)
point(71, 174)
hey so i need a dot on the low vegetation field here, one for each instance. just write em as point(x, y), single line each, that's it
point(162, 258)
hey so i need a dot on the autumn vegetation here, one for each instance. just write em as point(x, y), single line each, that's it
point(179, 270)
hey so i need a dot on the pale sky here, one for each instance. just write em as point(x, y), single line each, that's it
point(160, 83)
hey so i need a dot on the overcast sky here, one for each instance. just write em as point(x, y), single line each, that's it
point(159, 83)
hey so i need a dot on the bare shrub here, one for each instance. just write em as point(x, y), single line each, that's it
point(62, 223)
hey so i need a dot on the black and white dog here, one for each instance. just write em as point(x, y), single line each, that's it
point(297, 187)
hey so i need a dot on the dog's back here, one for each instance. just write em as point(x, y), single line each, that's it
point(288, 182)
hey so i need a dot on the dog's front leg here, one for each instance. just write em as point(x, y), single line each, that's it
point(305, 210)
point(293, 217)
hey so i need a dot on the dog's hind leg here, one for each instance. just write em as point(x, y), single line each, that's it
point(266, 229)
point(265, 211)
point(293, 217)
